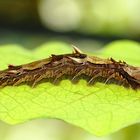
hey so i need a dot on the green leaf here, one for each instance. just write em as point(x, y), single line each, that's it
point(100, 109)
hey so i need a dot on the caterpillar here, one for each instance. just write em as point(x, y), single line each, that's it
point(74, 64)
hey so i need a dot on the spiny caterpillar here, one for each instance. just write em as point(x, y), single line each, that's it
point(75, 65)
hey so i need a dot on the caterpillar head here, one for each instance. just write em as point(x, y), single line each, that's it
point(133, 72)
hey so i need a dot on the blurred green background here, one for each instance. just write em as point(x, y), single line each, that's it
point(88, 24)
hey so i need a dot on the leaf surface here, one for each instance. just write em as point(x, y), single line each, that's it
point(100, 109)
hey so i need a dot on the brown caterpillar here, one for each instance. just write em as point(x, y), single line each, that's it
point(74, 64)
